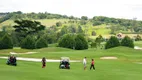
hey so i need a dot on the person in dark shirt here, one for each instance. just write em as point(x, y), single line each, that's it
point(92, 64)
point(43, 62)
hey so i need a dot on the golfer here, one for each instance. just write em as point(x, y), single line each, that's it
point(92, 65)
point(43, 62)
point(84, 63)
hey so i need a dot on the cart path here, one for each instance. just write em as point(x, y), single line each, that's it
point(38, 60)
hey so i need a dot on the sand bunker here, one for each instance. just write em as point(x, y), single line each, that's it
point(108, 57)
point(138, 48)
point(23, 53)
point(38, 60)
point(138, 62)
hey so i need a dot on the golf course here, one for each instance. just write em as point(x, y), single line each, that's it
point(127, 66)
point(32, 46)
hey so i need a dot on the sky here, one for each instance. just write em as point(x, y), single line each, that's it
point(127, 9)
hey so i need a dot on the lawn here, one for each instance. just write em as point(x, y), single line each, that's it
point(124, 68)
point(138, 43)
point(105, 70)
point(123, 53)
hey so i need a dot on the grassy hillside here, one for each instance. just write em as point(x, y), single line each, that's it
point(88, 28)
point(46, 22)
point(7, 23)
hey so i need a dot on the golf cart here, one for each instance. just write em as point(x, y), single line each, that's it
point(64, 63)
point(12, 61)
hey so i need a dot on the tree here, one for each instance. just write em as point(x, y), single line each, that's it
point(93, 33)
point(114, 28)
point(98, 40)
point(58, 24)
point(41, 43)
point(84, 18)
point(28, 43)
point(6, 42)
point(80, 43)
point(138, 38)
point(93, 45)
point(83, 22)
point(64, 30)
point(112, 42)
point(50, 38)
point(80, 30)
point(95, 23)
point(15, 40)
point(128, 42)
point(67, 41)
point(27, 27)
point(72, 29)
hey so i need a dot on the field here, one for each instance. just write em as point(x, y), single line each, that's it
point(138, 43)
point(45, 22)
point(126, 67)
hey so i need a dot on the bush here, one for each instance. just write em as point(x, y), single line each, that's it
point(93, 45)
point(112, 42)
point(28, 43)
point(93, 33)
point(6, 42)
point(138, 38)
point(41, 43)
point(58, 24)
point(72, 41)
point(128, 42)
point(67, 41)
point(80, 43)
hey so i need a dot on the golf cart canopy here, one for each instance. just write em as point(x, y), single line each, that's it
point(65, 58)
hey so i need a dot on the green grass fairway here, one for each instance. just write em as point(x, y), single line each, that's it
point(126, 67)
point(123, 53)
point(138, 43)
point(105, 70)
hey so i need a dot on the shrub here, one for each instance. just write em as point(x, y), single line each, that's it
point(138, 38)
point(93, 33)
point(6, 42)
point(28, 43)
point(80, 43)
point(93, 45)
point(67, 41)
point(128, 42)
point(58, 24)
point(72, 41)
point(41, 43)
point(112, 42)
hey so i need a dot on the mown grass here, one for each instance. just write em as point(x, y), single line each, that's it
point(138, 43)
point(123, 53)
point(124, 68)
point(105, 70)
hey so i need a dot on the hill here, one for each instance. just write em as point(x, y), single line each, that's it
point(98, 25)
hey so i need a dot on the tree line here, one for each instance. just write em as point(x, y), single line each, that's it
point(29, 34)
point(40, 15)
point(116, 24)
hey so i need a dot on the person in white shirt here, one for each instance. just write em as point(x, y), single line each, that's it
point(84, 62)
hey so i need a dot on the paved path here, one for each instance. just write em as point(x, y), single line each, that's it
point(38, 60)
